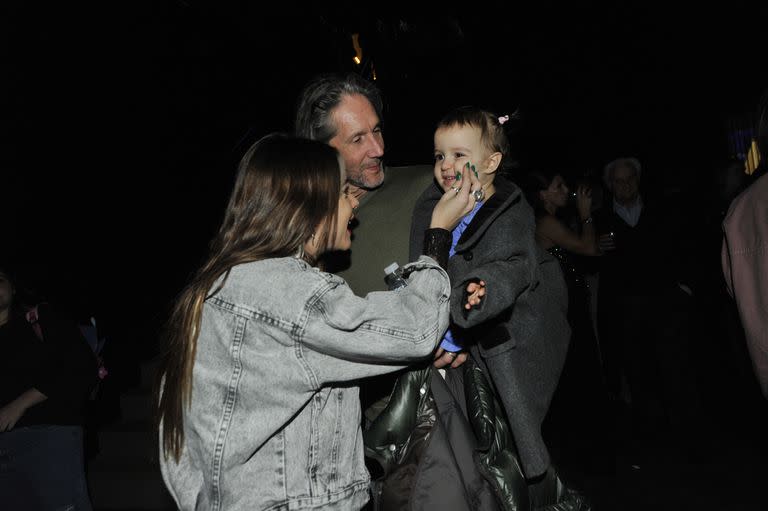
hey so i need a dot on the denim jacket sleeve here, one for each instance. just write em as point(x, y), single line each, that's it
point(348, 337)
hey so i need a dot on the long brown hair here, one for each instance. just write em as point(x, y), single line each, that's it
point(285, 187)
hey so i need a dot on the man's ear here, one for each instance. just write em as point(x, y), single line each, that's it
point(494, 160)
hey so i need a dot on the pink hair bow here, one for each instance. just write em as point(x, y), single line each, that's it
point(503, 119)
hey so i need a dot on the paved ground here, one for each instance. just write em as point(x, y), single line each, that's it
point(725, 469)
point(720, 464)
point(728, 473)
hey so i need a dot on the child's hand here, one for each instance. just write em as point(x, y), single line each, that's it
point(475, 293)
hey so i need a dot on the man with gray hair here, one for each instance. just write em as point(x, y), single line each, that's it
point(345, 111)
point(644, 308)
point(618, 220)
point(622, 178)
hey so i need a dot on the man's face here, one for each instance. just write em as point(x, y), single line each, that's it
point(626, 186)
point(359, 141)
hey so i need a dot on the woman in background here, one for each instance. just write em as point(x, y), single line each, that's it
point(579, 422)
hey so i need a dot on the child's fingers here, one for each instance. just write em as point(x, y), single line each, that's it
point(475, 292)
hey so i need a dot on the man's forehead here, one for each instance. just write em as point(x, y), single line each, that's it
point(624, 171)
point(354, 113)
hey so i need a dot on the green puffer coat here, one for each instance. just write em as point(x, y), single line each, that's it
point(443, 443)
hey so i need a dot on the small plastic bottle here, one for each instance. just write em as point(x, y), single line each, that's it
point(393, 276)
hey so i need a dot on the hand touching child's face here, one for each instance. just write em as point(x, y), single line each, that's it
point(455, 147)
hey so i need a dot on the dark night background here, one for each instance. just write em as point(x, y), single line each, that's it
point(123, 122)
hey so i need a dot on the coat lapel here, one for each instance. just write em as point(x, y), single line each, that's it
point(507, 194)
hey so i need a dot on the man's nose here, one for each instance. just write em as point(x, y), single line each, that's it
point(376, 148)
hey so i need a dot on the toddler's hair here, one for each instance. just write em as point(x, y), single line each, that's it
point(492, 128)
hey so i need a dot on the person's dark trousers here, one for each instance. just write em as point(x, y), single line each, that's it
point(611, 312)
point(41, 469)
point(681, 394)
point(657, 359)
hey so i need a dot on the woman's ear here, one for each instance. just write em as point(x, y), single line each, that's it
point(494, 160)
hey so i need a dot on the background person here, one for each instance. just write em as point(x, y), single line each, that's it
point(645, 316)
point(745, 256)
point(47, 372)
point(581, 392)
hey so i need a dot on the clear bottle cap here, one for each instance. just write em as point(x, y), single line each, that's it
point(391, 268)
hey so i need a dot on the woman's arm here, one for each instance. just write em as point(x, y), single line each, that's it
point(551, 229)
point(13, 411)
point(349, 337)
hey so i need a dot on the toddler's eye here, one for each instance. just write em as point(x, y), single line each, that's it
point(438, 157)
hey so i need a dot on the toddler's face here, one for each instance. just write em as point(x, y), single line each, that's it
point(455, 146)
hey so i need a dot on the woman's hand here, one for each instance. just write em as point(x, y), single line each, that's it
point(475, 293)
point(10, 414)
point(584, 201)
point(13, 411)
point(444, 358)
point(456, 202)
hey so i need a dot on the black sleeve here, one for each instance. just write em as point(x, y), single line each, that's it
point(437, 245)
point(68, 369)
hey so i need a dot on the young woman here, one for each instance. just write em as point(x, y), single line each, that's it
point(258, 401)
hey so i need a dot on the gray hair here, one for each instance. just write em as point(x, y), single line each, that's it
point(322, 95)
point(629, 162)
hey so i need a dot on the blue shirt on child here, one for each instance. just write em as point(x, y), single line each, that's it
point(449, 342)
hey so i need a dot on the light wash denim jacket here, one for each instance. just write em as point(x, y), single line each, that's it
point(274, 421)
